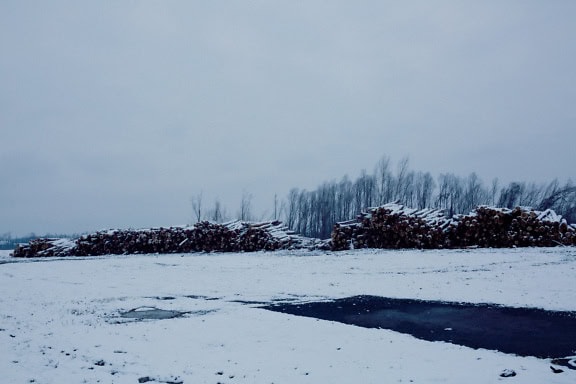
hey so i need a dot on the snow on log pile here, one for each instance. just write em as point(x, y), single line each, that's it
point(391, 226)
point(520, 227)
point(204, 236)
point(44, 247)
point(396, 226)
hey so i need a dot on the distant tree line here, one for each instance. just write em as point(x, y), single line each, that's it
point(313, 213)
point(217, 213)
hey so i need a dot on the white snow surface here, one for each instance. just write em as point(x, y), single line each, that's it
point(60, 317)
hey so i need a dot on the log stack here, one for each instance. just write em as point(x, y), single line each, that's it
point(204, 236)
point(46, 247)
point(391, 226)
point(519, 227)
point(344, 235)
point(395, 226)
point(210, 237)
point(271, 235)
point(118, 242)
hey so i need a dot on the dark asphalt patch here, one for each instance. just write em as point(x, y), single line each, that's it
point(521, 331)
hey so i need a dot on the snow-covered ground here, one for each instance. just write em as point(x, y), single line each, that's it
point(60, 318)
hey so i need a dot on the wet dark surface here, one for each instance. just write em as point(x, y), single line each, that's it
point(150, 313)
point(520, 331)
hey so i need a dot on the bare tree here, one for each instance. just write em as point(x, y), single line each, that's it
point(408, 189)
point(563, 201)
point(303, 210)
point(424, 188)
point(291, 215)
point(444, 191)
point(552, 188)
point(449, 194)
point(364, 191)
point(326, 201)
point(276, 208)
point(401, 178)
point(218, 213)
point(494, 191)
point(196, 202)
point(385, 181)
point(532, 196)
point(344, 199)
point(474, 194)
point(510, 196)
point(245, 213)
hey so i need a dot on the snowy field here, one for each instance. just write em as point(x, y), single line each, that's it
point(60, 318)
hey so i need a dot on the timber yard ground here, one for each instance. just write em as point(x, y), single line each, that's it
point(199, 318)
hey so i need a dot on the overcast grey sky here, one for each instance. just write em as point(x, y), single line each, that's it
point(115, 113)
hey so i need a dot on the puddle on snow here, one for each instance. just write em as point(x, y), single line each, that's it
point(520, 331)
point(151, 313)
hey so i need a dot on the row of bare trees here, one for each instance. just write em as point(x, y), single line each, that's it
point(313, 213)
point(217, 212)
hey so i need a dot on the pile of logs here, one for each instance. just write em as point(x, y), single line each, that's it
point(204, 236)
point(395, 226)
point(45, 247)
point(520, 227)
point(389, 226)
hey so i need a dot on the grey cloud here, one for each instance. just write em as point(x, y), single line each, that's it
point(120, 112)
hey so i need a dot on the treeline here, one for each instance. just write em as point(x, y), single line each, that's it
point(313, 213)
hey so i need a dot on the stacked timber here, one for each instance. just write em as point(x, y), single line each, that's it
point(119, 242)
point(396, 226)
point(46, 247)
point(271, 235)
point(519, 227)
point(210, 237)
point(204, 236)
point(391, 226)
point(344, 235)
